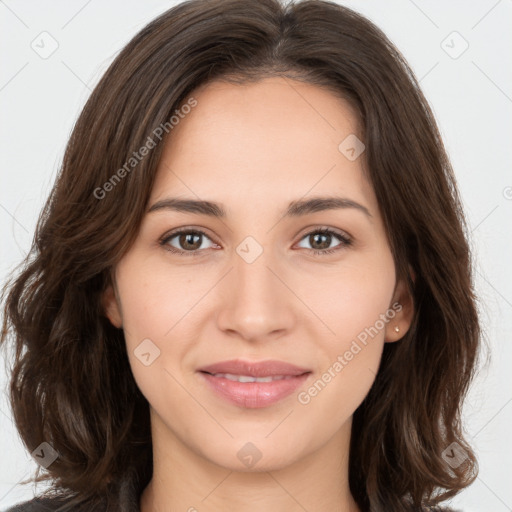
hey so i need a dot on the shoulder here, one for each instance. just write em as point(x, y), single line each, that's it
point(35, 505)
point(126, 499)
point(47, 504)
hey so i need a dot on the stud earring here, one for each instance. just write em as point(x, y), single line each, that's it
point(397, 329)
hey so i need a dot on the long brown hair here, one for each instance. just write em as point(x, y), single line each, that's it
point(71, 381)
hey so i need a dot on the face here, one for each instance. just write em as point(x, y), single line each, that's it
point(311, 286)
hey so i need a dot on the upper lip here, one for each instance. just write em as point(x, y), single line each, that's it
point(255, 368)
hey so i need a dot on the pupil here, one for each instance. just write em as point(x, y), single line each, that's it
point(186, 241)
point(316, 239)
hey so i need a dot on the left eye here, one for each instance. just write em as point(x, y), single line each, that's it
point(191, 242)
point(321, 240)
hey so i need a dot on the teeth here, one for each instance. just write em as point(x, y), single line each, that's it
point(248, 378)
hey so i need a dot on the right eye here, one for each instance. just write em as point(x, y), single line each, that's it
point(186, 242)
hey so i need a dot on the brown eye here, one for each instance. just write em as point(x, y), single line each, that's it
point(188, 242)
point(320, 241)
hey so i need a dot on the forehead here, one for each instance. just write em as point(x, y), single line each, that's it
point(275, 139)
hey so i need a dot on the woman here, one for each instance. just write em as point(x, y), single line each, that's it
point(250, 287)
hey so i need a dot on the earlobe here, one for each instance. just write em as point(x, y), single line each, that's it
point(403, 305)
point(111, 307)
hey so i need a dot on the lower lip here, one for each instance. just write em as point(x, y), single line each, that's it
point(254, 395)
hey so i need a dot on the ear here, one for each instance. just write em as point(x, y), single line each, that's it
point(403, 306)
point(111, 307)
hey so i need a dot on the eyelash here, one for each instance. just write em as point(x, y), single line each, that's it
point(345, 241)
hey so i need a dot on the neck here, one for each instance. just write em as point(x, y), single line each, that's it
point(185, 481)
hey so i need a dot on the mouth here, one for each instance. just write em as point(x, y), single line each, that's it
point(258, 369)
point(253, 384)
point(250, 378)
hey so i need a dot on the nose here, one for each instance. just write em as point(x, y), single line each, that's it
point(255, 302)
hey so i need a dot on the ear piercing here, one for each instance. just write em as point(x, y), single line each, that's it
point(397, 329)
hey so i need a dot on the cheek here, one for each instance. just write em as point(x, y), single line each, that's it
point(155, 297)
point(352, 307)
point(352, 299)
point(149, 308)
point(162, 312)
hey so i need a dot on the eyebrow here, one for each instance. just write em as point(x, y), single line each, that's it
point(296, 208)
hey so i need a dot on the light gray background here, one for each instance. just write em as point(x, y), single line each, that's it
point(471, 96)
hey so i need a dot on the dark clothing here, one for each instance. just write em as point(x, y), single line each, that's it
point(53, 505)
point(130, 504)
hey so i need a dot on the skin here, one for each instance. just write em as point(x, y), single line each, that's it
point(254, 148)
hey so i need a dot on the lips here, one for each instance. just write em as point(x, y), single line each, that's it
point(270, 368)
point(253, 385)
